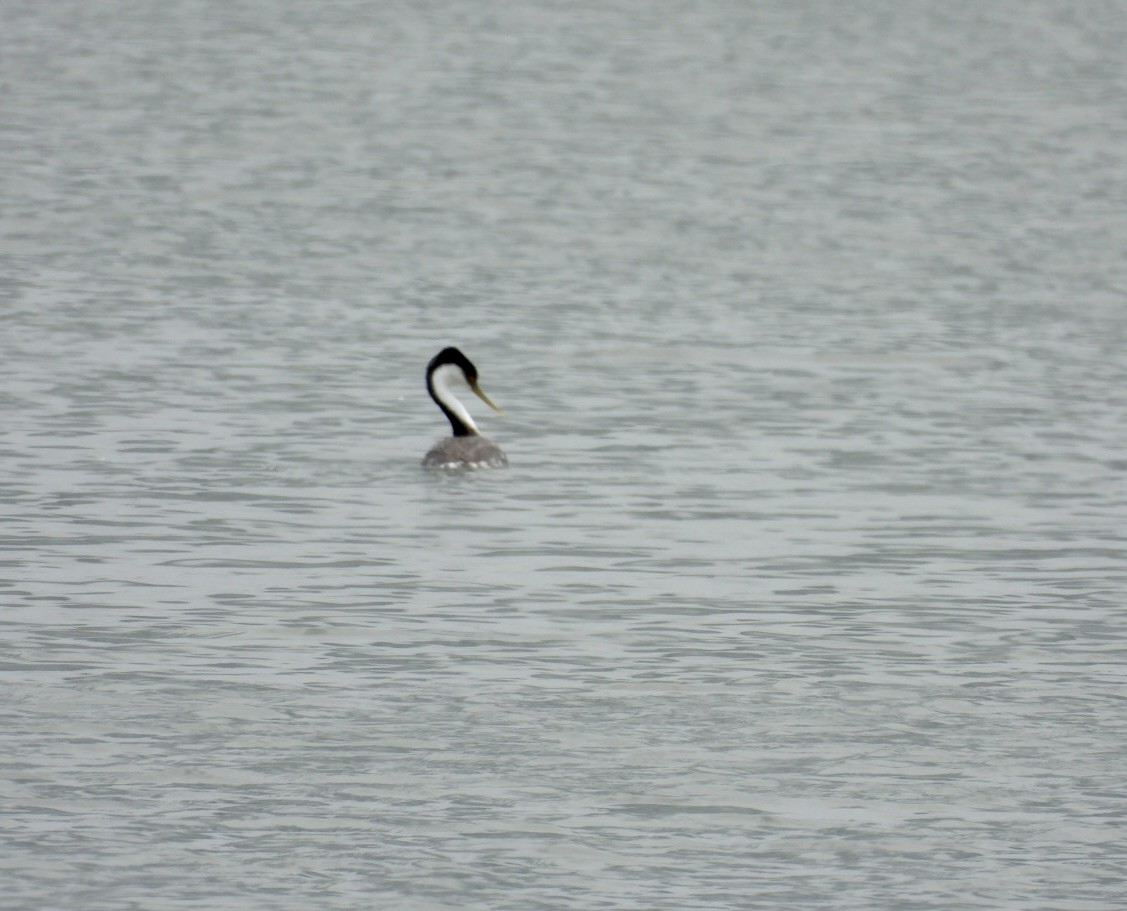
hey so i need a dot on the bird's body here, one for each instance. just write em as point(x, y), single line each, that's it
point(465, 452)
point(467, 448)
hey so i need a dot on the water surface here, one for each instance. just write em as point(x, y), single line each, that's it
point(806, 586)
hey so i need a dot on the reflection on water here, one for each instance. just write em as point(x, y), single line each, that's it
point(805, 587)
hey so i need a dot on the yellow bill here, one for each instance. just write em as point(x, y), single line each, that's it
point(481, 395)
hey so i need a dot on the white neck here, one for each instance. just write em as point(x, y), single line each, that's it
point(445, 377)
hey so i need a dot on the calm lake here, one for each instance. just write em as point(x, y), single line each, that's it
point(807, 585)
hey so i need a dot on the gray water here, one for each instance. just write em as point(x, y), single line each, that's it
point(807, 586)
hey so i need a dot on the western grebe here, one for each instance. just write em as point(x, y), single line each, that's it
point(467, 448)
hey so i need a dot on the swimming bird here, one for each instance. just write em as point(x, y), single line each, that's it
point(467, 448)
